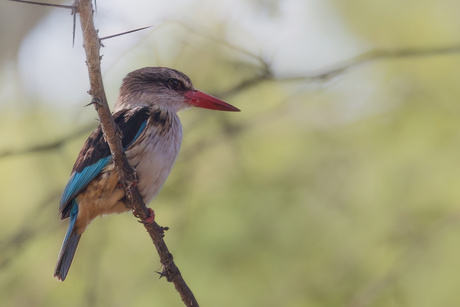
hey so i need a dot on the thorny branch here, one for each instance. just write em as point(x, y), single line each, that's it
point(92, 44)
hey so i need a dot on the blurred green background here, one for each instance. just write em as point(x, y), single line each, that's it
point(337, 191)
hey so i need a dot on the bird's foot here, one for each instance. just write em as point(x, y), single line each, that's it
point(151, 218)
point(148, 220)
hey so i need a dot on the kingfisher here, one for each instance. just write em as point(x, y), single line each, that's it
point(146, 115)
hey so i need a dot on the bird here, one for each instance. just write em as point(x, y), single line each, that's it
point(151, 132)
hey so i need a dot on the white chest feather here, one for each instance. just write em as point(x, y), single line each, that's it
point(153, 155)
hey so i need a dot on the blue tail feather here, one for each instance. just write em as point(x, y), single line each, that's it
point(69, 246)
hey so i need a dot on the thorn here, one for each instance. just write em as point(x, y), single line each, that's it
point(95, 101)
point(162, 274)
point(74, 13)
point(61, 6)
point(123, 33)
point(163, 229)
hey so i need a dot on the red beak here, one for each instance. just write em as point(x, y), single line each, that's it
point(205, 101)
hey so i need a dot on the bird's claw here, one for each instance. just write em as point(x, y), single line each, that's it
point(150, 219)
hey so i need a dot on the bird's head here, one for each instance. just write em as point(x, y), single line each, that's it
point(166, 88)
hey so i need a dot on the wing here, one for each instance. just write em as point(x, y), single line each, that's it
point(95, 154)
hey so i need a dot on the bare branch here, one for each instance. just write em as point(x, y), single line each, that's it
point(225, 43)
point(92, 46)
point(47, 146)
point(374, 55)
point(266, 73)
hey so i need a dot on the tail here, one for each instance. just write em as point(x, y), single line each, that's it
point(68, 247)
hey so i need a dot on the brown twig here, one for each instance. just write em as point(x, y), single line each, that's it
point(92, 46)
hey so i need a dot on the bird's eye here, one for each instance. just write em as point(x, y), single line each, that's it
point(175, 84)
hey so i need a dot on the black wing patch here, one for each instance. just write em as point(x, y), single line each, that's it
point(130, 123)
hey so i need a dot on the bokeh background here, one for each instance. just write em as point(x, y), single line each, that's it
point(337, 185)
